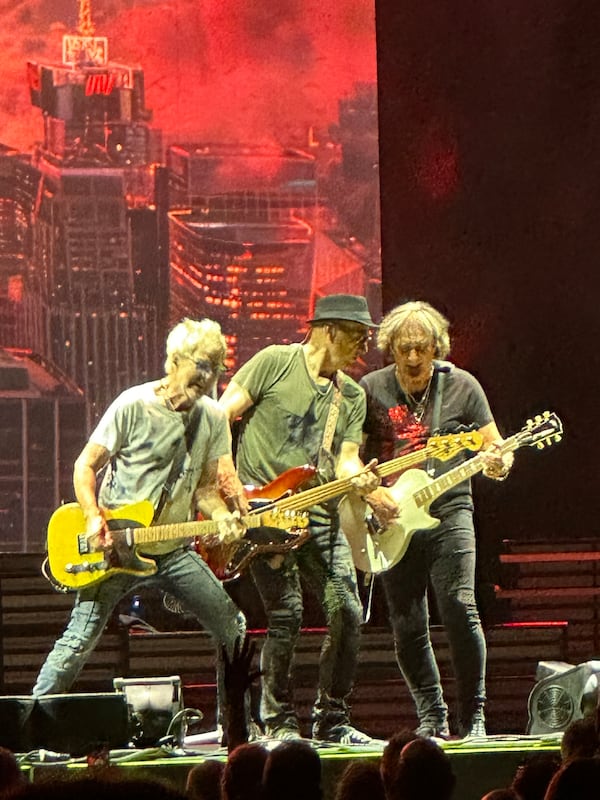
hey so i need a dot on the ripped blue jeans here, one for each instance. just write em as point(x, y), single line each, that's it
point(181, 573)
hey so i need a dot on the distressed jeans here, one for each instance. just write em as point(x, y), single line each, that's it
point(325, 565)
point(181, 573)
point(445, 558)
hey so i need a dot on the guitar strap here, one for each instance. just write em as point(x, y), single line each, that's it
point(325, 457)
point(441, 369)
point(325, 454)
point(184, 446)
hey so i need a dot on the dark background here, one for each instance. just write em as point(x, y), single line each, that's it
point(490, 148)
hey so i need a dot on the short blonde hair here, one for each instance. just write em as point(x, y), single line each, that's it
point(425, 315)
point(191, 335)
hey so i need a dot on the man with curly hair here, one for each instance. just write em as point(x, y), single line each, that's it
point(400, 408)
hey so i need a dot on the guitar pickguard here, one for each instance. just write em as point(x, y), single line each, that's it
point(73, 561)
point(374, 549)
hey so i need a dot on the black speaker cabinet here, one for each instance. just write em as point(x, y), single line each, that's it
point(76, 724)
point(16, 723)
point(81, 723)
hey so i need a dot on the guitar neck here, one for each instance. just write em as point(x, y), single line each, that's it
point(406, 461)
point(184, 530)
point(319, 494)
point(425, 496)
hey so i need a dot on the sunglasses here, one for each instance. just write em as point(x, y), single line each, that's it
point(357, 337)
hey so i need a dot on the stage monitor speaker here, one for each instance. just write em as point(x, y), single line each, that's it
point(79, 724)
point(16, 723)
point(563, 693)
point(152, 703)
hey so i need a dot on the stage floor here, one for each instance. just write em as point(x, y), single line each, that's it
point(479, 764)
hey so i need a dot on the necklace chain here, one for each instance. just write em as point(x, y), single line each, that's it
point(419, 406)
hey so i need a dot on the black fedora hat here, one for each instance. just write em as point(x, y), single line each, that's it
point(350, 307)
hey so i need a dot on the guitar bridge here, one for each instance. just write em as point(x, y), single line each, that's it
point(86, 566)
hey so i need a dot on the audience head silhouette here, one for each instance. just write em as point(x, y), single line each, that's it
point(293, 772)
point(360, 780)
point(423, 773)
point(204, 780)
point(243, 773)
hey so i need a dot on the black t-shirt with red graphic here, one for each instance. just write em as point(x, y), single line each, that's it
point(391, 428)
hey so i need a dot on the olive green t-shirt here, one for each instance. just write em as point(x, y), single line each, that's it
point(285, 425)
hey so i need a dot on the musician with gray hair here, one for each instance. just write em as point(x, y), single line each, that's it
point(160, 442)
point(417, 394)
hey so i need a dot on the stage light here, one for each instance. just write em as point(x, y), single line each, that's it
point(152, 704)
point(564, 693)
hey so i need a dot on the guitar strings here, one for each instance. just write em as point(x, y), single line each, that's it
point(321, 493)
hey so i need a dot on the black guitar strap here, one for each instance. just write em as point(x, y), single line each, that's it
point(440, 369)
point(185, 445)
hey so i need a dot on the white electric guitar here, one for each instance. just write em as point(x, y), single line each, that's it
point(377, 550)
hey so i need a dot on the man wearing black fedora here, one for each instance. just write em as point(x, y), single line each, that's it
point(297, 406)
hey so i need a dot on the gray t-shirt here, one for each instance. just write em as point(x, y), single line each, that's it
point(284, 428)
point(142, 437)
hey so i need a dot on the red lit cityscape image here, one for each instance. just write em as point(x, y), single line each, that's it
point(163, 160)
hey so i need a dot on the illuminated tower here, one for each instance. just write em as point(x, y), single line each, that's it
point(241, 238)
point(99, 277)
point(85, 26)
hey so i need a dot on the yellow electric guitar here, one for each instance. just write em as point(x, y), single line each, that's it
point(75, 562)
point(376, 549)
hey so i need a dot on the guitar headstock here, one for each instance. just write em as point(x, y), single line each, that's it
point(445, 447)
point(542, 431)
point(284, 519)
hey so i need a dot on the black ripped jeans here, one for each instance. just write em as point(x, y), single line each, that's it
point(325, 565)
point(445, 557)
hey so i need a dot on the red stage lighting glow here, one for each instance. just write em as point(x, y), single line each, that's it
point(220, 70)
point(554, 623)
point(437, 165)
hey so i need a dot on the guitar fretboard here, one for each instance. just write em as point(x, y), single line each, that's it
point(319, 494)
point(183, 530)
point(425, 496)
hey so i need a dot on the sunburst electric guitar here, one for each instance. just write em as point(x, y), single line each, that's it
point(440, 447)
point(75, 561)
point(377, 550)
point(281, 495)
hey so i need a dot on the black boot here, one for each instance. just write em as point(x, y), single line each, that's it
point(473, 727)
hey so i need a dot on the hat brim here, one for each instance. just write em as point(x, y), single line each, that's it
point(358, 319)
